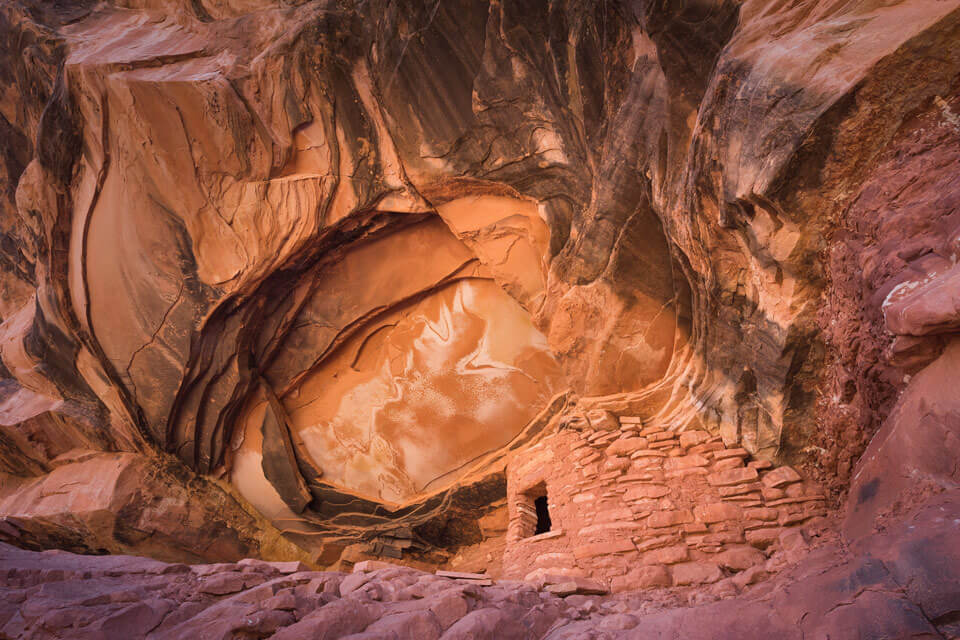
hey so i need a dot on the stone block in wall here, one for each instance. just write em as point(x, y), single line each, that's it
point(667, 555)
point(717, 512)
point(590, 470)
point(791, 516)
point(646, 544)
point(760, 465)
point(581, 586)
point(642, 578)
point(769, 493)
point(694, 528)
point(663, 445)
point(584, 455)
point(780, 477)
point(662, 519)
point(602, 420)
point(761, 513)
point(726, 463)
point(612, 515)
point(746, 500)
point(732, 477)
point(685, 462)
point(706, 447)
point(626, 446)
point(617, 528)
point(691, 573)
point(611, 565)
point(647, 453)
point(651, 476)
point(796, 490)
point(730, 536)
point(739, 489)
point(603, 548)
point(553, 575)
point(557, 559)
point(616, 464)
point(646, 491)
point(782, 501)
point(740, 558)
point(643, 508)
point(753, 575)
point(646, 465)
point(763, 537)
point(684, 473)
point(692, 438)
point(723, 454)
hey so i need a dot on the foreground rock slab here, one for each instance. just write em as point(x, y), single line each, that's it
point(903, 582)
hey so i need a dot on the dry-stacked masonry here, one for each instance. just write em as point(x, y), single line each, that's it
point(634, 505)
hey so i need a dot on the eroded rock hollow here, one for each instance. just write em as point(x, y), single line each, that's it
point(560, 299)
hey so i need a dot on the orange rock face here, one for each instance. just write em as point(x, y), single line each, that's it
point(604, 296)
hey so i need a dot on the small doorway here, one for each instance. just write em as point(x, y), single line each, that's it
point(533, 509)
point(543, 515)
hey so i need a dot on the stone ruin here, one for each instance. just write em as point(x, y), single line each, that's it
point(633, 506)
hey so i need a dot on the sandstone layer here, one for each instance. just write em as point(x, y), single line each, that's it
point(628, 296)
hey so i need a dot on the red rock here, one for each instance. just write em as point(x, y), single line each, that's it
point(295, 284)
point(365, 566)
point(626, 446)
point(739, 558)
point(770, 494)
point(415, 624)
point(461, 575)
point(646, 544)
point(577, 586)
point(762, 537)
point(660, 519)
point(730, 453)
point(618, 464)
point(602, 420)
point(691, 438)
point(603, 548)
point(739, 489)
point(230, 582)
point(666, 555)
point(732, 477)
point(642, 578)
point(717, 512)
point(780, 477)
point(689, 573)
point(727, 463)
point(761, 513)
point(646, 491)
point(685, 462)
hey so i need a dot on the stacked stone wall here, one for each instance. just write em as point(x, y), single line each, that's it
point(636, 505)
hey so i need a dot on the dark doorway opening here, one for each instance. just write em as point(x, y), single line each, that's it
point(543, 515)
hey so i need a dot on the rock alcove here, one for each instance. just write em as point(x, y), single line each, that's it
point(396, 281)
